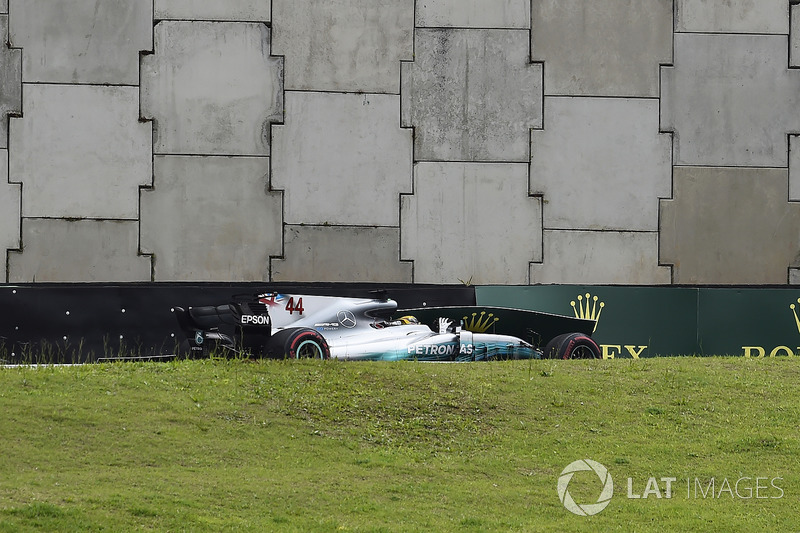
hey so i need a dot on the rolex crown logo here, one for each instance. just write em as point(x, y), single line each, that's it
point(793, 307)
point(479, 323)
point(589, 308)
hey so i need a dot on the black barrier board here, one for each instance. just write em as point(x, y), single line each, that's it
point(70, 323)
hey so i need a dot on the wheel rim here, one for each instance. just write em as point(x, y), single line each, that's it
point(582, 352)
point(309, 350)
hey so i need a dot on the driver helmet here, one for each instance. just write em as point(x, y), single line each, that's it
point(408, 319)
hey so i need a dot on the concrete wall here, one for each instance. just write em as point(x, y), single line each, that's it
point(477, 141)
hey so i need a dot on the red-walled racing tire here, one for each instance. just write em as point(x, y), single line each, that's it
point(572, 346)
point(298, 343)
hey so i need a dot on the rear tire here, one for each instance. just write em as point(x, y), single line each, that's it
point(572, 346)
point(298, 343)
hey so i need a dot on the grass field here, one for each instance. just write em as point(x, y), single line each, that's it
point(222, 445)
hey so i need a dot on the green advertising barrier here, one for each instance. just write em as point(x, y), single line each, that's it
point(749, 322)
point(657, 321)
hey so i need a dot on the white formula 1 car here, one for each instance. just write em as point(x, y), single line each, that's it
point(305, 326)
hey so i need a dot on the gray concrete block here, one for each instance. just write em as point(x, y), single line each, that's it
point(600, 257)
point(211, 219)
point(212, 88)
point(506, 14)
point(9, 213)
point(78, 250)
point(232, 10)
point(10, 84)
point(81, 41)
point(80, 151)
point(732, 16)
point(3, 6)
point(343, 45)
point(471, 95)
point(331, 253)
point(341, 159)
point(730, 226)
point(471, 222)
point(602, 47)
point(730, 100)
point(600, 163)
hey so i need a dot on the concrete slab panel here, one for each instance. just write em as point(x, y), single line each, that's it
point(600, 257)
point(86, 41)
point(732, 16)
point(730, 100)
point(341, 159)
point(600, 163)
point(507, 14)
point(80, 151)
point(9, 213)
point(78, 250)
point(10, 84)
point(330, 253)
point(730, 226)
point(3, 6)
point(471, 95)
point(212, 88)
point(211, 219)
point(471, 222)
point(343, 45)
point(232, 10)
point(602, 47)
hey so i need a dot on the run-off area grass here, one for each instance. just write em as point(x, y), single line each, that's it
point(236, 445)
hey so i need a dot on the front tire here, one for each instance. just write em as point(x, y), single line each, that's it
point(572, 346)
point(299, 343)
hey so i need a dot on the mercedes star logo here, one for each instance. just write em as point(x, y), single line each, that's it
point(347, 319)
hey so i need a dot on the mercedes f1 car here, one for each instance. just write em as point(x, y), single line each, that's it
point(306, 326)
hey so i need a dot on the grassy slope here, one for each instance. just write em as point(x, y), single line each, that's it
point(332, 446)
